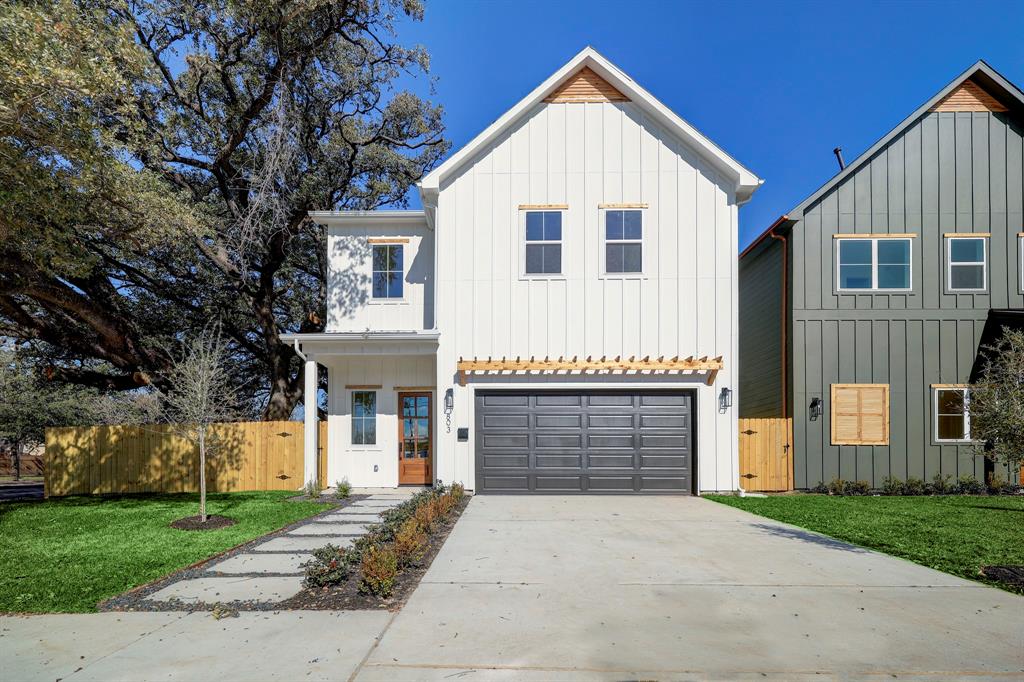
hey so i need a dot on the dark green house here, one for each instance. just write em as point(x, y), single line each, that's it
point(862, 309)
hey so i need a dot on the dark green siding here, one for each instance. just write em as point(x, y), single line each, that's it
point(760, 327)
point(947, 172)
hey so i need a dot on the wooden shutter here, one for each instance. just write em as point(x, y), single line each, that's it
point(860, 414)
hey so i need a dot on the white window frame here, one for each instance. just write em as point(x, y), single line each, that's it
point(874, 265)
point(961, 388)
point(983, 263)
point(384, 300)
point(603, 222)
point(1020, 260)
point(352, 418)
point(523, 274)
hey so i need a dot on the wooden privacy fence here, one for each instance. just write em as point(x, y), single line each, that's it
point(95, 460)
point(766, 454)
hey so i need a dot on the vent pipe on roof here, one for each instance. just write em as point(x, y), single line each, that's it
point(838, 151)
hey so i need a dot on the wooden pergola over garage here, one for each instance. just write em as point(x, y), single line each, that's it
point(603, 365)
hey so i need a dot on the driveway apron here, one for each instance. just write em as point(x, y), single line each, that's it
point(581, 587)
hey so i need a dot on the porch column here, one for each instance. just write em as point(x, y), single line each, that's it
point(310, 422)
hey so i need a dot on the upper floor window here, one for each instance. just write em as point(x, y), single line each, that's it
point(966, 263)
point(873, 264)
point(387, 271)
point(543, 243)
point(952, 414)
point(364, 417)
point(623, 241)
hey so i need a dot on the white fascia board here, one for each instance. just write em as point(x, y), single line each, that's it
point(363, 336)
point(746, 182)
point(362, 218)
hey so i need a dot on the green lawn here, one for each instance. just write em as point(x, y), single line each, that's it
point(955, 534)
point(68, 554)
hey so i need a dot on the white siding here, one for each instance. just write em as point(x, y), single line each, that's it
point(357, 462)
point(350, 306)
point(584, 155)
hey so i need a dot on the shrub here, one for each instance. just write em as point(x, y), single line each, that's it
point(342, 489)
point(940, 485)
point(856, 488)
point(446, 504)
point(410, 544)
point(379, 568)
point(968, 484)
point(820, 489)
point(426, 515)
point(835, 486)
point(892, 486)
point(330, 565)
point(311, 489)
point(458, 491)
point(913, 486)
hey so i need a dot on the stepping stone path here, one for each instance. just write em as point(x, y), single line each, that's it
point(271, 571)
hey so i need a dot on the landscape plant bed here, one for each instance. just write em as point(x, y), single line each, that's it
point(213, 522)
point(347, 595)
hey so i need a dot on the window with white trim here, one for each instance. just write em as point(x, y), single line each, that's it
point(873, 264)
point(952, 414)
point(364, 417)
point(623, 241)
point(388, 271)
point(966, 263)
point(543, 243)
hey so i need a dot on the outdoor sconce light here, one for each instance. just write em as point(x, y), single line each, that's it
point(814, 410)
point(724, 399)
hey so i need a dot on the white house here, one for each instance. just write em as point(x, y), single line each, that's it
point(561, 317)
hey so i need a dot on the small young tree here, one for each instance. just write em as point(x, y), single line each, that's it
point(201, 394)
point(29, 404)
point(997, 400)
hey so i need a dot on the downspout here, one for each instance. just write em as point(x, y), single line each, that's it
point(296, 346)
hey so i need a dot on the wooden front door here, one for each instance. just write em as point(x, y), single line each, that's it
point(415, 439)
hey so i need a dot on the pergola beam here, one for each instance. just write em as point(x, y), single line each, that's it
point(575, 365)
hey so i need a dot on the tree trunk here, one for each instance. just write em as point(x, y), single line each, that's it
point(202, 474)
point(17, 460)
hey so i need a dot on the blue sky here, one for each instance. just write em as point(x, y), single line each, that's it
point(777, 85)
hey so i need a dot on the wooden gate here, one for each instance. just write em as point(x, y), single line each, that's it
point(766, 454)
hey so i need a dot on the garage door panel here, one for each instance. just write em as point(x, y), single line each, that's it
point(601, 441)
point(506, 421)
point(559, 461)
point(506, 440)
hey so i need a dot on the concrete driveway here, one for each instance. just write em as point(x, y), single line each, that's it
point(574, 588)
point(580, 588)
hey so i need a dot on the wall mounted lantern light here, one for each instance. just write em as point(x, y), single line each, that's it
point(724, 399)
point(814, 409)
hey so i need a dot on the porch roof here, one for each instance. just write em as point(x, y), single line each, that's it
point(379, 342)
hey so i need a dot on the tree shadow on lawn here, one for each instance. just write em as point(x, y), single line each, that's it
point(810, 537)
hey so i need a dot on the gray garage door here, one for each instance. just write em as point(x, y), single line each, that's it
point(584, 442)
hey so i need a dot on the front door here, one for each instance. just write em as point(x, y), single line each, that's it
point(415, 439)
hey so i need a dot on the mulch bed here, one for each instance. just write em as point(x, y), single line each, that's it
point(213, 522)
point(1009, 575)
point(347, 596)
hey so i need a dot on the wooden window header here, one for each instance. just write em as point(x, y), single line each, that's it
point(967, 235)
point(388, 240)
point(543, 207)
point(875, 235)
point(362, 387)
point(415, 388)
point(622, 206)
point(951, 385)
point(860, 414)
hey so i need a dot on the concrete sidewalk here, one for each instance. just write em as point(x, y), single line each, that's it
point(581, 588)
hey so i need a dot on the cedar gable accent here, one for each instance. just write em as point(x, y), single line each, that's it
point(969, 97)
point(586, 86)
point(860, 414)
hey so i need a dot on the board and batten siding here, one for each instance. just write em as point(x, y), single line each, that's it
point(350, 305)
point(947, 172)
point(760, 327)
point(583, 155)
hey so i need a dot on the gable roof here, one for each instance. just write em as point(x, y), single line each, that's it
point(745, 181)
point(980, 74)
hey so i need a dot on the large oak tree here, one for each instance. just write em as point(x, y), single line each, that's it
point(161, 157)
